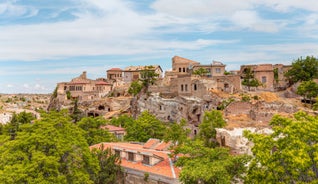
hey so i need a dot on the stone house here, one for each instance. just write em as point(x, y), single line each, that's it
point(83, 88)
point(270, 76)
point(114, 74)
point(118, 132)
point(144, 163)
point(133, 73)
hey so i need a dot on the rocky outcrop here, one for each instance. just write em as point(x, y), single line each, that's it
point(235, 140)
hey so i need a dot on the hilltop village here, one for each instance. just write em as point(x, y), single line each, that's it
point(133, 111)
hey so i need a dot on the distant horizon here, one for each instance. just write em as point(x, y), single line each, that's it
point(43, 43)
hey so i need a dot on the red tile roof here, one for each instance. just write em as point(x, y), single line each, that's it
point(115, 69)
point(151, 143)
point(101, 83)
point(164, 168)
point(112, 128)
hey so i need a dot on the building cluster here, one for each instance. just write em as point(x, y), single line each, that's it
point(187, 77)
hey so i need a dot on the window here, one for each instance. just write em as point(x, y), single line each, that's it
point(117, 152)
point(146, 159)
point(218, 70)
point(195, 87)
point(181, 87)
point(186, 87)
point(184, 70)
point(179, 69)
point(264, 79)
point(131, 156)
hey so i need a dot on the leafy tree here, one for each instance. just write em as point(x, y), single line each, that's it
point(148, 76)
point(122, 120)
point(68, 95)
point(51, 150)
point(146, 126)
point(289, 154)
point(109, 164)
point(135, 88)
point(209, 165)
point(55, 92)
point(308, 89)
point(177, 133)
point(93, 133)
point(16, 121)
point(211, 120)
point(315, 105)
point(200, 72)
point(303, 70)
point(248, 79)
point(76, 114)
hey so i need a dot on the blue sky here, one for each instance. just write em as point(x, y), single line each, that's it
point(43, 42)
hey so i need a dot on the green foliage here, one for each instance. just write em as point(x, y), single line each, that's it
point(255, 97)
point(315, 105)
point(148, 76)
point(146, 126)
point(200, 72)
point(308, 89)
point(289, 155)
point(122, 120)
point(76, 114)
point(227, 73)
point(225, 103)
point(146, 176)
point(248, 79)
point(109, 164)
point(68, 95)
point(245, 98)
point(55, 92)
point(211, 120)
point(303, 70)
point(93, 133)
point(177, 133)
point(17, 120)
point(276, 77)
point(209, 165)
point(135, 88)
point(51, 150)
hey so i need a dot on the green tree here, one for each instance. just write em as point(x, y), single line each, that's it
point(16, 121)
point(109, 164)
point(200, 72)
point(211, 120)
point(177, 133)
point(289, 154)
point(122, 120)
point(135, 88)
point(146, 126)
point(148, 76)
point(209, 165)
point(303, 70)
point(308, 89)
point(93, 133)
point(248, 79)
point(51, 150)
point(76, 114)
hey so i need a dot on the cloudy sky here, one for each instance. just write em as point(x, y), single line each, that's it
point(43, 42)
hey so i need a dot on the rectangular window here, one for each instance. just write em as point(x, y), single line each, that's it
point(186, 87)
point(181, 87)
point(195, 87)
point(131, 156)
point(146, 159)
point(218, 70)
point(264, 79)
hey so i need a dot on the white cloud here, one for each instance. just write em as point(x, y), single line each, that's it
point(9, 9)
point(25, 85)
point(9, 85)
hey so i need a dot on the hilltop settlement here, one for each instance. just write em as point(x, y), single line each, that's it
point(221, 108)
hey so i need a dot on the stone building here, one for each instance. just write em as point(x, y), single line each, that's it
point(144, 163)
point(83, 88)
point(133, 73)
point(182, 81)
point(114, 74)
point(270, 76)
point(118, 132)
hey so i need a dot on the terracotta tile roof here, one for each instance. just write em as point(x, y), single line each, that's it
point(163, 146)
point(164, 168)
point(112, 128)
point(101, 83)
point(115, 69)
point(151, 143)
